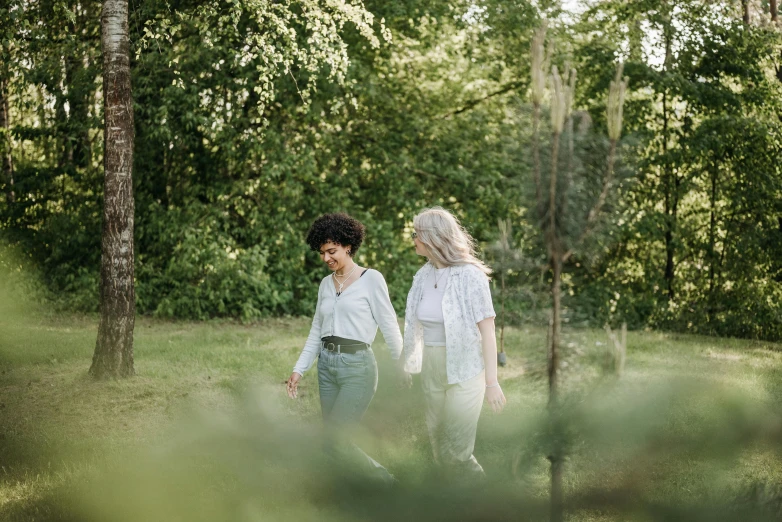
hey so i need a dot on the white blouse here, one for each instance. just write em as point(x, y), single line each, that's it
point(466, 302)
point(354, 314)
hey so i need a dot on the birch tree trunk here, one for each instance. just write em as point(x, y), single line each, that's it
point(114, 347)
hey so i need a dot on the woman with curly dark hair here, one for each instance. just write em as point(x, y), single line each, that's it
point(353, 303)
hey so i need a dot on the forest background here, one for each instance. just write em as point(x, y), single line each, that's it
point(418, 103)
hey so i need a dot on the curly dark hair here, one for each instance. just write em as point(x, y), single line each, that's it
point(338, 228)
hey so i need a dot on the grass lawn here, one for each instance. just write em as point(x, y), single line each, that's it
point(691, 430)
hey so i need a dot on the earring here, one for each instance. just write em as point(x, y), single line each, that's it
point(350, 252)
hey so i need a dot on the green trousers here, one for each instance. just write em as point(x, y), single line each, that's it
point(347, 383)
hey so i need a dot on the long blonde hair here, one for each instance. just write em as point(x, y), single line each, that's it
point(446, 239)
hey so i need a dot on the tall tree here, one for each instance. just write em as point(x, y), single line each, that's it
point(555, 213)
point(114, 348)
point(5, 142)
point(8, 38)
point(671, 184)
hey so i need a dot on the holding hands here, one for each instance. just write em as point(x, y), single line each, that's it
point(404, 379)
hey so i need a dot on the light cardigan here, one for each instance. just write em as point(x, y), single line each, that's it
point(354, 314)
point(467, 301)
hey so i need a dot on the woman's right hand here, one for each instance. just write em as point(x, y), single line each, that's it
point(293, 385)
point(495, 398)
point(403, 378)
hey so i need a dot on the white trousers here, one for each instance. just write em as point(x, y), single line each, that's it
point(452, 412)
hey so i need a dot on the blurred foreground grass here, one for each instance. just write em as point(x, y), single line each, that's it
point(691, 431)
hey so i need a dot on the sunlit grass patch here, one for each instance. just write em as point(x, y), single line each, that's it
point(205, 430)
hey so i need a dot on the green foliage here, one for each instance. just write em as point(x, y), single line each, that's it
point(205, 273)
point(21, 292)
point(697, 250)
point(516, 302)
point(254, 118)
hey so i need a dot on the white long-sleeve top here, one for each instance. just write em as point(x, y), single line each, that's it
point(356, 313)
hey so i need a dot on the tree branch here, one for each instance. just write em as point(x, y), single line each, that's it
point(473, 103)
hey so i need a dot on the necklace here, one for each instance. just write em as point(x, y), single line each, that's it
point(437, 277)
point(336, 278)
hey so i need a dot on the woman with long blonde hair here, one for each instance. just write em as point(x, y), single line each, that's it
point(449, 338)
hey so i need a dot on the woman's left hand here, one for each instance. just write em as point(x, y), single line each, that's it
point(495, 398)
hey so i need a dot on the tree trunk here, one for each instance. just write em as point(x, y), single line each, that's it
point(5, 145)
point(552, 241)
point(670, 267)
point(671, 215)
point(77, 122)
point(745, 11)
point(555, 254)
point(671, 188)
point(712, 240)
point(774, 10)
point(557, 457)
point(557, 468)
point(636, 41)
point(114, 347)
point(556, 268)
point(556, 320)
point(65, 146)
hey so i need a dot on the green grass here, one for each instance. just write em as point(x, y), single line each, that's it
point(205, 432)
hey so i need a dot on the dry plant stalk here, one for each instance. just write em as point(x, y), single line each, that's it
point(618, 349)
point(504, 226)
point(562, 101)
point(539, 66)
